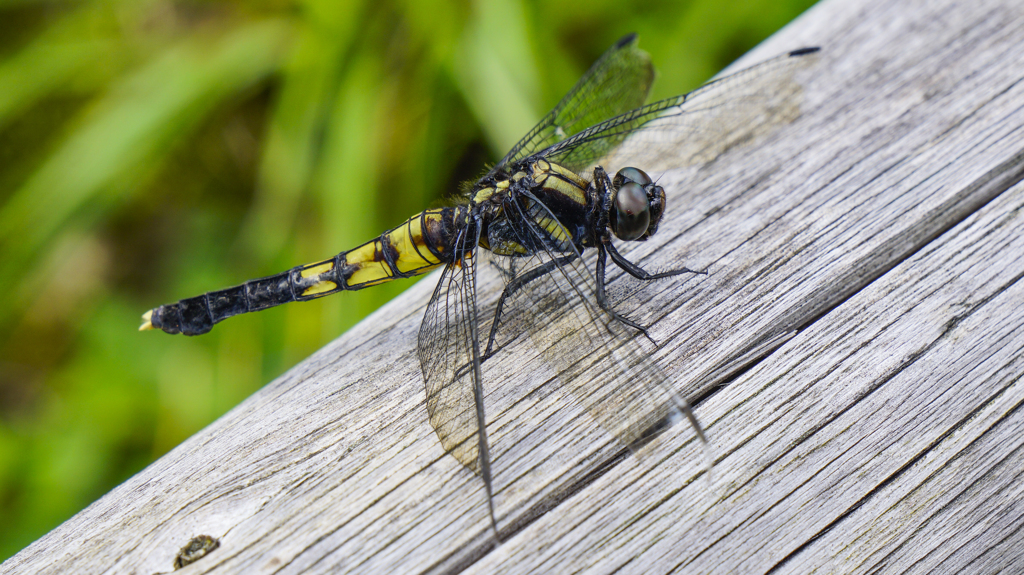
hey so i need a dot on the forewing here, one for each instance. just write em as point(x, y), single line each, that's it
point(695, 127)
point(446, 356)
point(619, 81)
point(597, 358)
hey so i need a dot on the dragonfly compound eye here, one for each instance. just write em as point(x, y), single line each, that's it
point(631, 175)
point(631, 211)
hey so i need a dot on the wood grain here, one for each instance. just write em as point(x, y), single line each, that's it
point(857, 349)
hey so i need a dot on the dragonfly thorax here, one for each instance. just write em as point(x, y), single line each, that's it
point(636, 205)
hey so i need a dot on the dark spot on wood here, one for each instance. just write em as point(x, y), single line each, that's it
point(195, 550)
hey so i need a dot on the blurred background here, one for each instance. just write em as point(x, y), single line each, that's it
point(156, 149)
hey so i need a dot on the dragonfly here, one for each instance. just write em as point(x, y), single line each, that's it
point(534, 213)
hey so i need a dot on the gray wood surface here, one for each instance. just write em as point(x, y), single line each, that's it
point(865, 272)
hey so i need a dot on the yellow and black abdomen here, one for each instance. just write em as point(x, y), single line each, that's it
point(424, 242)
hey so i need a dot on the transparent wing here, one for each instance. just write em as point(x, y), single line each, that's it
point(694, 127)
point(446, 352)
point(599, 360)
point(619, 81)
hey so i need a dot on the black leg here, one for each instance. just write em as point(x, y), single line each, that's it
point(602, 298)
point(515, 285)
point(638, 272)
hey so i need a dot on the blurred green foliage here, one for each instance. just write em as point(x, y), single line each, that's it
point(155, 149)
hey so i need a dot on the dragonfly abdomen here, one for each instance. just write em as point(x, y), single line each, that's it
point(416, 247)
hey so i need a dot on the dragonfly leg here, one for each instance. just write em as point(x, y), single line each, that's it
point(602, 297)
point(638, 272)
point(515, 285)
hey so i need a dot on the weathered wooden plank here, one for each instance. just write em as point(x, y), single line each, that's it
point(911, 123)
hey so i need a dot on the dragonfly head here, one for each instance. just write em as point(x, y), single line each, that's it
point(637, 205)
